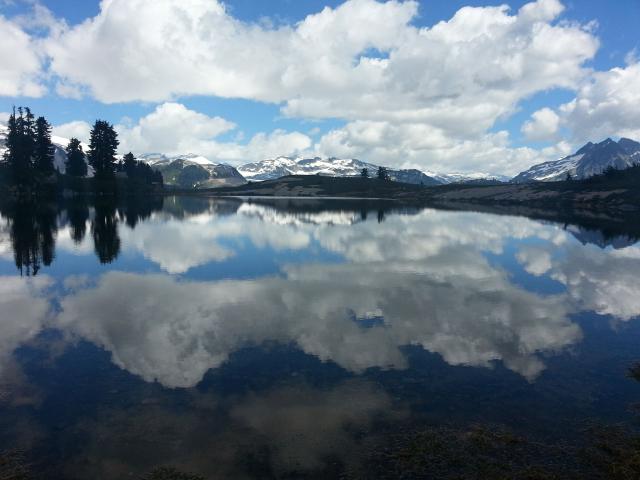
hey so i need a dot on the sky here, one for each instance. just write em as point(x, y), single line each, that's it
point(442, 86)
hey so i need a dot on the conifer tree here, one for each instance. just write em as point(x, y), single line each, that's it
point(43, 148)
point(364, 173)
point(102, 149)
point(382, 173)
point(129, 165)
point(75, 164)
point(20, 145)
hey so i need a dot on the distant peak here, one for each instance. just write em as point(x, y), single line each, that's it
point(627, 141)
point(585, 148)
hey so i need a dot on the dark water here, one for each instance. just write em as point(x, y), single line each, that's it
point(293, 339)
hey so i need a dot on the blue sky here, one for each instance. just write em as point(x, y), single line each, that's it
point(313, 108)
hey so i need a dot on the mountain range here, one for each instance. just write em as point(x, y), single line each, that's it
point(191, 170)
point(592, 159)
point(271, 169)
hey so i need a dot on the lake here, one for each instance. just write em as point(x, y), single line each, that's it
point(310, 339)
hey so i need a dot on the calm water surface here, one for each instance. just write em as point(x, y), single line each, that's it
point(280, 340)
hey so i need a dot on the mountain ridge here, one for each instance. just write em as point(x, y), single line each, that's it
point(591, 159)
point(273, 168)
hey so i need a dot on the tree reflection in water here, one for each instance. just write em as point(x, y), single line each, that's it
point(33, 226)
point(33, 229)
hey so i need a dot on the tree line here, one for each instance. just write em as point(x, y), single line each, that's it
point(30, 154)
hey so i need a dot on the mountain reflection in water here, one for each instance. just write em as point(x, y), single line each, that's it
point(284, 338)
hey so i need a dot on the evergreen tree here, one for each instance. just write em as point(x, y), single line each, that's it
point(75, 164)
point(43, 148)
point(129, 165)
point(102, 150)
point(569, 177)
point(382, 174)
point(364, 173)
point(20, 145)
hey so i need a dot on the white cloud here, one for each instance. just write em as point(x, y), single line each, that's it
point(420, 146)
point(76, 129)
point(472, 68)
point(196, 47)
point(171, 128)
point(544, 125)
point(606, 105)
point(20, 63)
point(417, 97)
point(438, 89)
point(174, 129)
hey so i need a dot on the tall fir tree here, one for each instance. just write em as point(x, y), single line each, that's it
point(20, 145)
point(43, 148)
point(129, 165)
point(102, 150)
point(75, 165)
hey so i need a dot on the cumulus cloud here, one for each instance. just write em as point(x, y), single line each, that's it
point(438, 89)
point(76, 129)
point(410, 97)
point(21, 64)
point(606, 105)
point(473, 67)
point(174, 129)
point(544, 125)
point(420, 146)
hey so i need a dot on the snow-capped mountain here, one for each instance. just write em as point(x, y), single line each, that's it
point(592, 159)
point(332, 167)
point(447, 178)
point(193, 170)
point(162, 159)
